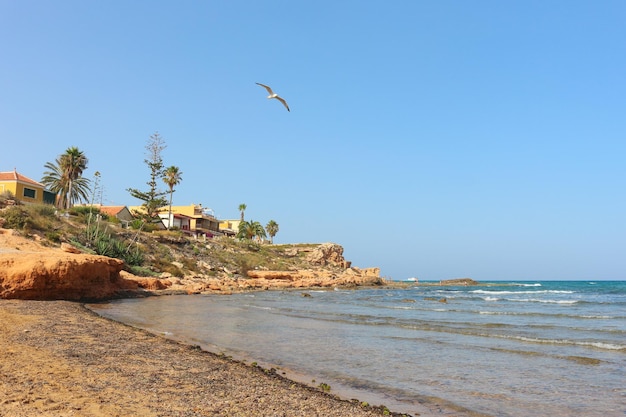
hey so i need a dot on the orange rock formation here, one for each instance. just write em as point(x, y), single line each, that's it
point(29, 270)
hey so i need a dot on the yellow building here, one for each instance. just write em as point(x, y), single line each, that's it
point(229, 227)
point(198, 220)
point(201, 220)
point(24, 189)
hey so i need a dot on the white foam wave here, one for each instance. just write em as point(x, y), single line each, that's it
point(599, 345)
point(259, 307)
point(521, 292)
point(538, 300)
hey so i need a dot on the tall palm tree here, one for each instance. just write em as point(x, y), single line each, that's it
point(64, 177)
point(272, 228)
point(248, 230)
point(172, 176)
point(73, 163)
point(242, 208)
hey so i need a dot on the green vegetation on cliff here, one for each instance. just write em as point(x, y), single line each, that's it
point(149, 252)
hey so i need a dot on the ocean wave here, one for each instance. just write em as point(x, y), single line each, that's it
point(521, 292)
point(491, 298)
point(258, 307)
point(545, 301)
point(598, 345)
point(535, 314)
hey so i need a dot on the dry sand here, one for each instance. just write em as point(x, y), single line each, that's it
point(60, 359)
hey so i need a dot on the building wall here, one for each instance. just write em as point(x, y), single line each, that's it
point(25, 190)
point(230, 224)
point(25, 193)
point(198, 220)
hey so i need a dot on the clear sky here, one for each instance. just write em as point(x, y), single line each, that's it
point(434, 139)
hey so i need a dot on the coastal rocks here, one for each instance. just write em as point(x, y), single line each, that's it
point(291, 252)
point(29, 269)
point(327, 254)
point(57, 275)
point(313, 278)
point(150, 284)
point(276, 275)
point(458, 281)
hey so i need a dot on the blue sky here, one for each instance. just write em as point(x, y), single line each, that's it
point(436, 139)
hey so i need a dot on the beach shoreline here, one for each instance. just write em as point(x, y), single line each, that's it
point(62, 359)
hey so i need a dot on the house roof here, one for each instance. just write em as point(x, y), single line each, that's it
point(16, 176)
point(111, 210)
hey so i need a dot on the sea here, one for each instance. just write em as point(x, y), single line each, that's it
point(519, 349)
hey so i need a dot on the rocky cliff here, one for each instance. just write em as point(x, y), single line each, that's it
point(29, 270)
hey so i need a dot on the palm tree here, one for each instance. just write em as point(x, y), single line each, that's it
point(242, 208)
point(248, 230)
point(272, 229)
point(64, 177)
point(73, 163)
point(172, 176)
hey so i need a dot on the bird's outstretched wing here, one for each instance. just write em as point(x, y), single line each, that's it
point(282, 100)
point(267, 87)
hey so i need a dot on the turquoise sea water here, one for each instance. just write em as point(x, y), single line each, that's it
point(502, 349)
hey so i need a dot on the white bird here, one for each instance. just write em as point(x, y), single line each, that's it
point(274, 95)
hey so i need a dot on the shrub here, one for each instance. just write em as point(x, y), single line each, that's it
point(141, 271)
point(42, 217)
point(16, 217)
point(244, 266)
point(107, 244)
point(150, 227)
point(44, 210)
point(324, 387)
point(84, 211)
point(134, 258)
point(53, 236)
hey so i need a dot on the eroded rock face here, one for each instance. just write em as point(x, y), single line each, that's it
point(60, 276)
point(312, 278)
point(327, 254)
point(29, 270)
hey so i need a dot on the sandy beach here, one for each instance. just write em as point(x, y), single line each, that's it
point(60, 359)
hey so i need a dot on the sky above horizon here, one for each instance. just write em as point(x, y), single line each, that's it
point(433, 139)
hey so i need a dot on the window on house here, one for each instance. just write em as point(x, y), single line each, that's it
point(29, 192)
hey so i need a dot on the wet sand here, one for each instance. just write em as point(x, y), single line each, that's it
point(60, 359)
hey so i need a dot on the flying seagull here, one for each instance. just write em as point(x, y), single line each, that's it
point(274, 95)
